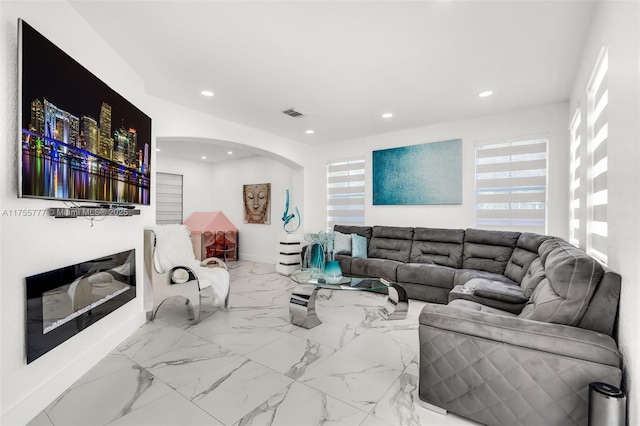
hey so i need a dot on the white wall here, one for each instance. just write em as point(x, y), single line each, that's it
point(551, 120)
point(257, 242)
point(218, 187)
point(197, 193)
point(308, 185)
point(615, 24)
point(32, 245)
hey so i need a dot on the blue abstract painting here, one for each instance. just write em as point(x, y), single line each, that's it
point(430, 173)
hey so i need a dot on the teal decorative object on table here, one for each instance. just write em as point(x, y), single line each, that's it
point(319, 245)
point(287, 218)
point(317, 261)
point(332, 272)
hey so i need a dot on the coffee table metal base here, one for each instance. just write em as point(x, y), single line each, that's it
point(397, 303)
point(302, 305)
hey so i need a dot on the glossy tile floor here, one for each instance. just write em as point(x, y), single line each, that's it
point(249, 366)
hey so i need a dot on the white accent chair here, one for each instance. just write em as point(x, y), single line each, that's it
point(174, 271)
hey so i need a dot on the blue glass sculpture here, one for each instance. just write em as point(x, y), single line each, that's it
point(287, 218)
point(317, 261)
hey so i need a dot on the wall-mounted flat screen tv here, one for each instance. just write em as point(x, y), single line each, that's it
point(79, 139)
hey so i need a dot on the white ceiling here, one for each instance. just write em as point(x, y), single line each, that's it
point(344, 63)
point(192, 149)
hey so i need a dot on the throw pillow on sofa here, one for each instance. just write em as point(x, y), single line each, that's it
point(341, 243)
point(358, 246)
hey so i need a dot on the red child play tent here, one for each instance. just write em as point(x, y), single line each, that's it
point(213, 235)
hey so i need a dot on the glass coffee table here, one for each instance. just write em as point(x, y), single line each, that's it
point(302, 305)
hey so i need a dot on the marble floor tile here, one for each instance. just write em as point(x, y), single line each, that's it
point(332, 334)
point(383, 348)
point(248, 365)
point(351, 379)
point(374, 421)
point(182, 365)
point(298, 405)
point(407, 332)
point(263, 316)
point(235, 389)
point(110, 364)
point(169, 410)
point(155, 338)
point(396, 407)
point(244, 340)
point(269, 298)
point(414, 366)
point(291, 355)
point(41, 420)
point(103, 400)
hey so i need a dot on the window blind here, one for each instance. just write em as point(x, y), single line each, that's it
point(511, 185)
point(576, 208)
point(345, 192)
point(598, 135)
point(168, 198)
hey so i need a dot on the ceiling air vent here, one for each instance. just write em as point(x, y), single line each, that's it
point(293, 113)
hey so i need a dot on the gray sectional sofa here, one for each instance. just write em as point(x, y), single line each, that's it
point(521, 323)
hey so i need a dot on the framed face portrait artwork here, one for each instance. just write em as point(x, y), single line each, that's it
point(257, 203)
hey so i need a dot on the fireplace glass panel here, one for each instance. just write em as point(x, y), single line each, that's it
point(63, 302)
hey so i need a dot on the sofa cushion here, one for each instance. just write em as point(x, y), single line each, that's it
point(563, 296)
point(426, 273)
point(497, 290)
point(465, 275)
point(478, 307)
point(365, 231)
point(375, 268)
point(488, 250)
point(494, 294)
point(391, 242)
point(525, 252)
point(345, 263)
point(534, 275)
point(603, 306)
point(438, 246)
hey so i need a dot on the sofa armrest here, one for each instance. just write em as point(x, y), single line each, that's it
point(501, 292)
point(557, 339)
point(504, 297)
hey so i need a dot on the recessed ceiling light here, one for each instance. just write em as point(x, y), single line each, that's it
point(229, 152)
point(387, 115)
point(485, 94)
point(204, 158)
point(310, 132)
point(206, 93)
point(157, 149)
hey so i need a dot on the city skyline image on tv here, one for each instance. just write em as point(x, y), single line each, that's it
point(79, 139)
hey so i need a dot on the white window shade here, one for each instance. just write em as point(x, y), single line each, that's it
point(168, 198)
point(345, 192)
point(597, 140)
point(511, 185)
point(577, 207)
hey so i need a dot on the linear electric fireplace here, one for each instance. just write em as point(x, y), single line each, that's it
point(63, 302)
